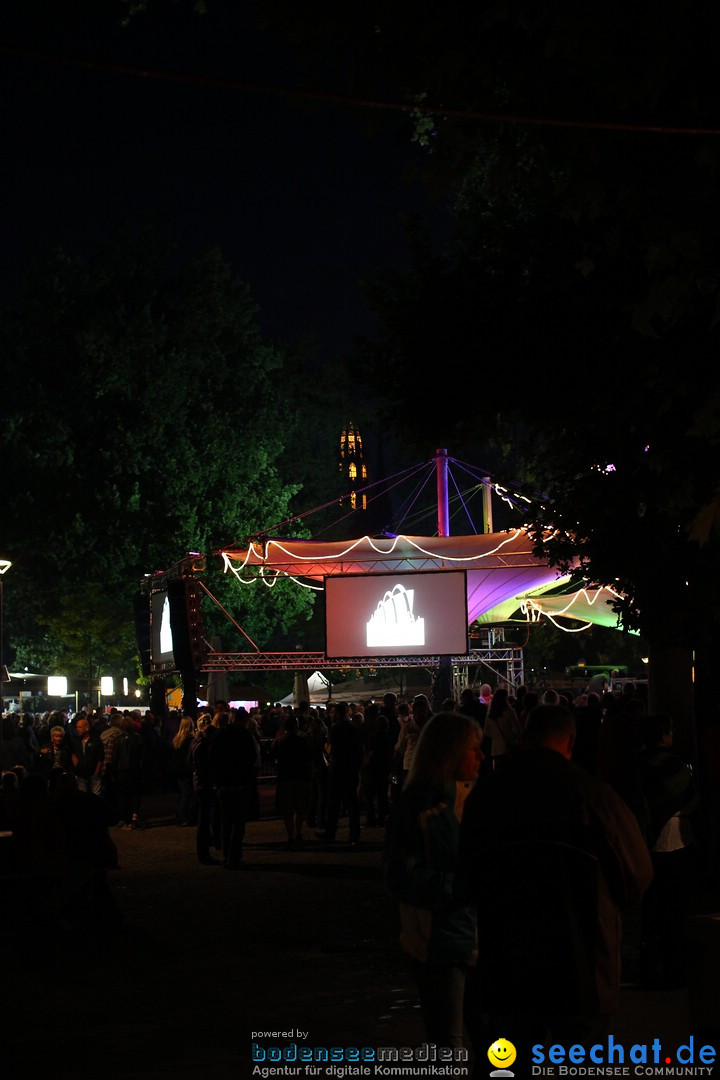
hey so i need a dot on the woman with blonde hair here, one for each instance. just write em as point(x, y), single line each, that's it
point(437, 930)
point(182, 772)
point(185, 730)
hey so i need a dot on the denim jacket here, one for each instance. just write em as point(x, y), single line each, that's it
point(421, 851)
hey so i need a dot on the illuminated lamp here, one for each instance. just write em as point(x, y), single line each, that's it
point(5, 565)
point(107, 685)
point(57, 685)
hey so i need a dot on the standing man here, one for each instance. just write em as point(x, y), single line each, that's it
point(199, 757)
point(389, 709)
point(110, 789)
point(552, 856)
point(87, 756)
point(345, 750)
point(233, 754)
point(471, 705)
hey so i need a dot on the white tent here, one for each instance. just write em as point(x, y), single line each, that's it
point(317, 689)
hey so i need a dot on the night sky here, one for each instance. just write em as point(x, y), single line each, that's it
point(302, 198)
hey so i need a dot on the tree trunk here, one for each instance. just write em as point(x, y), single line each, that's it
point(671, 691)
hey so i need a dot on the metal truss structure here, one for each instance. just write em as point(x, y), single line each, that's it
point(505, 661)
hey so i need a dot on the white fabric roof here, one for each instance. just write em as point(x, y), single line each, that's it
point(500, 566)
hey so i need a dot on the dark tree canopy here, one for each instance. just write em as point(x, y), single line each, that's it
point(143, 418)
point(572, 322)
point(566, 333)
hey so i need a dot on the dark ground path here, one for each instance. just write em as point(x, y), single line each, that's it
point(299, 940)
point(302, 939)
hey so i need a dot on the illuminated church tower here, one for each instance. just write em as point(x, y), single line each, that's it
point(352, 466)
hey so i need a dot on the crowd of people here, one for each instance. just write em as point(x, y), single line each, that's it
point(527, 825)
point(116, 755)
point(518, 826)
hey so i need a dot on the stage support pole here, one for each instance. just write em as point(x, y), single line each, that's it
point(442, 679)
point(441, 460)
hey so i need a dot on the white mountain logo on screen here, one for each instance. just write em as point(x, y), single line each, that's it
point(393, 621)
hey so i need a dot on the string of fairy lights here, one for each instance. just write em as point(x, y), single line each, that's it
point(255, 561)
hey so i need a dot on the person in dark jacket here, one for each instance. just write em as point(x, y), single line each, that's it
point(129, 757)
point(83, 889)
point(13, 750)
point(552, 856)
point(438, 927)
point(294, 789)
point(233, 754)
point(181, 772)
point(87, 755)
point(56, 753)
point(344, 748)
point(665, 804)
point(203, 788)
point(378, 753)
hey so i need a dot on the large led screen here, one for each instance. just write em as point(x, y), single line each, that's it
point(161, 636)
point(396, 614)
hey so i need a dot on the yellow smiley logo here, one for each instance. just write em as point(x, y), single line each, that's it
point(502, 1053)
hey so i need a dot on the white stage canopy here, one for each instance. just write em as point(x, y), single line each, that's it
point(501, 567)
point(587, 606)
